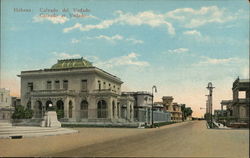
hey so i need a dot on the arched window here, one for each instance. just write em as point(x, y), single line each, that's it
point(118, 109)
point(47, 104)
point(70, 109)
point(29, 105)
point(60, 109)
point(38, 109)
point(113, 108)
point(99, 85)
point(102, 109)
point(84, 109)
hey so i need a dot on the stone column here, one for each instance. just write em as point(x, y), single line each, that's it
point(128, 110)
point(132, 112)
point(33, 107)
point(115, 110)
point(66, 107)
point(109, 104)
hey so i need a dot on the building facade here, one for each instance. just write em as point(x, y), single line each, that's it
point(238, 107)
point(142, 105)
point(79, 91)
point(173, 108)
point(6, 109)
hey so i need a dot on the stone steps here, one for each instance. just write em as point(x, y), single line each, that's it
point(11, 130)
point(33, 131)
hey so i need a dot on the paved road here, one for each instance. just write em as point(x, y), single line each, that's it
point(190, 139)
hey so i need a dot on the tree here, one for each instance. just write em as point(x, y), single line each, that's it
point(183, 106)
point(189, 111)
point(186, 111)
point(22, 113)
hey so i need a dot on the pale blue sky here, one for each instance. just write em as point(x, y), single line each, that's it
point(179, 46)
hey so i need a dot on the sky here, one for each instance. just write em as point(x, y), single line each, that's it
point(179, 46)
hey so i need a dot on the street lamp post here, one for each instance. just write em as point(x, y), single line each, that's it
point(210, 103)
point(153, 88)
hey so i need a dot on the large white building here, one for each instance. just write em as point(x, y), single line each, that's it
point(79, 91)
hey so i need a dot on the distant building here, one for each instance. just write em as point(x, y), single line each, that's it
point(82, 92)
point(6, 109)
point(143, 108)
point(15, 101)
point(238, 107)
point(173, 108)
point(142, 105)
point(158, 106)
point(220, 114)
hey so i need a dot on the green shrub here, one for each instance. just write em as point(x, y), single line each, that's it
point(22, 113)
point(60, 113)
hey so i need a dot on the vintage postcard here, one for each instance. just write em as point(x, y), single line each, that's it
point(124, 78)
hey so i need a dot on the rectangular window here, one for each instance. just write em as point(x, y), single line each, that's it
point(65, 84)
point(57, 84)
point(84, 85)
point(99, 85)
point(49, 85)
point(1, 97)
point(30, 86)
point(242, 94)
point(104, 85)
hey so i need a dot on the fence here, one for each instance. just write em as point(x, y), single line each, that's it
point(145, 115)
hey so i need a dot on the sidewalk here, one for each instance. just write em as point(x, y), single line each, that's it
point(221, 126)
point(26, 132)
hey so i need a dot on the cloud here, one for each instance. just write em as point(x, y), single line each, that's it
point(54, 20)
point(192, 18)
point(117, 37)
point(135, 41)
point(110, 38)
point(179, 50)
point(66, 55)
point(187, 17)
point(192, 33)
point(75, 41)
point(142, 18)
point(215, 61)
point(130, 59)
point(245, 72)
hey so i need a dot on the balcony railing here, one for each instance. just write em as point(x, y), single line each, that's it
point(52, 92)
point(241, 100)
point(103, 91)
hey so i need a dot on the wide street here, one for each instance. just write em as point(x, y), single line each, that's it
point(186, 139)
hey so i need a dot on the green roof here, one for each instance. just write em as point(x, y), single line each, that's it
point(72, 63)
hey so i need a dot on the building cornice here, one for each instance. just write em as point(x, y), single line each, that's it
point(67, 71)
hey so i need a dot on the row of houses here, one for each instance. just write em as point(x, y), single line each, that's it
point(85, 93)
